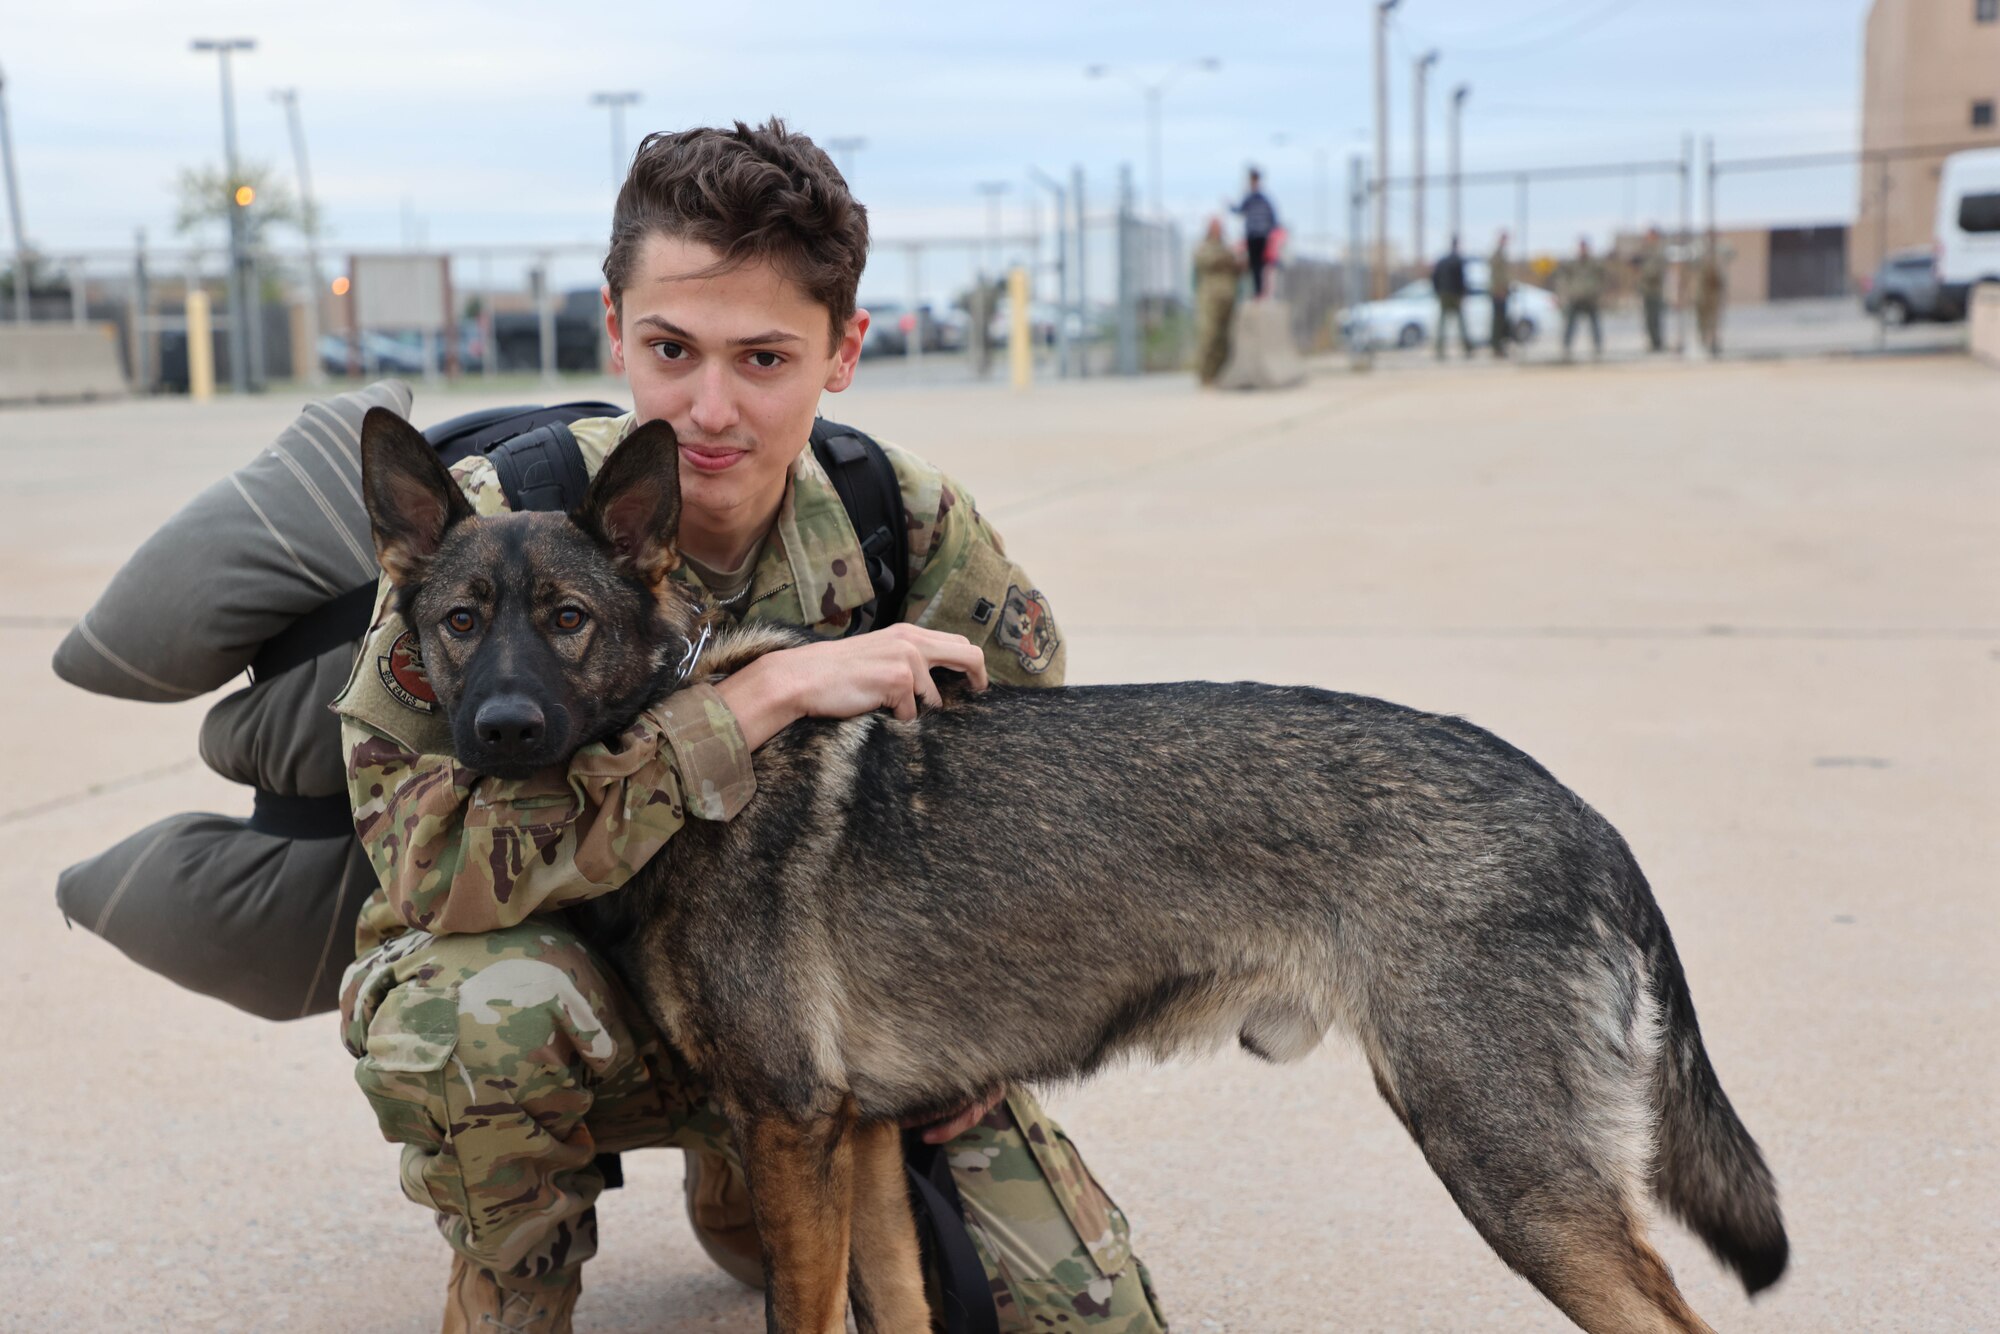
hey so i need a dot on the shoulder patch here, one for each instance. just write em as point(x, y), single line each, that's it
point(402, 673)
point(1029, 628)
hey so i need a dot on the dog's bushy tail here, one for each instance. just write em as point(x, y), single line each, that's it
point(1706, 1168)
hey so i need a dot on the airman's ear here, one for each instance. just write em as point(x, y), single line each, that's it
point(634, 502)
point(412, 501)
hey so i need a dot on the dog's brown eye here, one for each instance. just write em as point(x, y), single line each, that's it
point(569, 618)
point(460, 621)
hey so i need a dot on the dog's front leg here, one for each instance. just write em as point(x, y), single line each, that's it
point(888, 1276)
point(801, 1178)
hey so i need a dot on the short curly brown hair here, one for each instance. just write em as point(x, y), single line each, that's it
point(749, 194)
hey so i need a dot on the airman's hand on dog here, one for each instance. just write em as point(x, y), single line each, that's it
point(845, 678)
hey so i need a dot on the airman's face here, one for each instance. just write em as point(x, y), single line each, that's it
point(735, 362)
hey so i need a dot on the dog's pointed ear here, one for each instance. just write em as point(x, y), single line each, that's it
point(412, 501)
point(634, 502)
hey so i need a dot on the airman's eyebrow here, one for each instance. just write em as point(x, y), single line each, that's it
point(672, 330)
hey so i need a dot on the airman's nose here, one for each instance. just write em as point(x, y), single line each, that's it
point(509, 723)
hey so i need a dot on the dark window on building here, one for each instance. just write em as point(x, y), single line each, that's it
point(1986, 11)
point(1982, 114)
point(1979, 213)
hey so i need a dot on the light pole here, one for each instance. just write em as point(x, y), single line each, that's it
point(843, 148)
point(1458, 96)
point(1153, 92)
point(1322, 224)
point(617, 102)
point(1055, 187)
point(14, 212)
point(1381, 265)
point(241, 198)
point(289, 99)
point(1423, 74)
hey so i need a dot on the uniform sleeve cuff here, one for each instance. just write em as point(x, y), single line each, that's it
point(716, 778)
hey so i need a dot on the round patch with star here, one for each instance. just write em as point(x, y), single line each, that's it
point(402, 672)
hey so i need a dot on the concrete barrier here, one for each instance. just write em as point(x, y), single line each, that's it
point(1261, 352)
point(41, 362)
point(1984, 317)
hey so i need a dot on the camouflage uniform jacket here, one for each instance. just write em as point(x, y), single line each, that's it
point(1653, 271)
point(458, 852)
point(1217, 270)
point(1582, 280)
point(1499, 274)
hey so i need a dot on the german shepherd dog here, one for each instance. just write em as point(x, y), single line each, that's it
point(1180, 865)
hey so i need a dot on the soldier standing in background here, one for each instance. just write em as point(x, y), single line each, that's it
point(1217, 272)
point(1581, 285)
point(1710, 287)
point(1652, 264)
point(1448, 281)
point(1500, 285)
point(1259, 221)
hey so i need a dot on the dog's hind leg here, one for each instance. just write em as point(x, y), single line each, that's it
point(1523, 1151)
point(887, 1283)
point(801, 1178)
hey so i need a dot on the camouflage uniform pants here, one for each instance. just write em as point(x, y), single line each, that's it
point(505, 1062)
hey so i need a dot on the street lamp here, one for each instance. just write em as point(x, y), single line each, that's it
point(1153, 91)
point(240, 291)
point(1458, 96)
point(843, 148)
point(617, 102)
point(289, 99)
point(1423, 73)
point(14, 212)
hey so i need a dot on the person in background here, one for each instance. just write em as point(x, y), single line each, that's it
point(1582, 291)
point(1259, 221)
point(1652, 263)
point(1710, 289)
point(1218, 270)
point(1500, 285)
point(1448, 281)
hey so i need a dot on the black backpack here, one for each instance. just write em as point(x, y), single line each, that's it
point(541, 468)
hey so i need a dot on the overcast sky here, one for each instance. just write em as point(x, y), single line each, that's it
point(474, 118)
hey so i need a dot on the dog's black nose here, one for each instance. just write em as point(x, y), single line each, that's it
point(509, 723)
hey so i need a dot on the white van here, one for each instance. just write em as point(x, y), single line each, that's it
point(1968, 223)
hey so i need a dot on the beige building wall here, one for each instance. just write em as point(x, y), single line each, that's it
point(1925, 63)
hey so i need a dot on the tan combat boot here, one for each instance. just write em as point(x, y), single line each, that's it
point(718, 1204)
point(475, 1304)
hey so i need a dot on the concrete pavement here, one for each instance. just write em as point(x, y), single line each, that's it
point(1747, 611)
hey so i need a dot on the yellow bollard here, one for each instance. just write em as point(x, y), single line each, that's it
point(200, 348)
point(1020, 341)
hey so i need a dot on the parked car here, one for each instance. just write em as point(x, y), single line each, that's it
point(1408, 317)
point(400, 353)
point(1906, 288)
point(1968, 224)
point(579, 320)
point(890, 323)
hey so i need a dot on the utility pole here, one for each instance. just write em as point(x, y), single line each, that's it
point(1054, 187)
point(1423, 75)
point(843, 148)
point(1154, 90)
point(617, 102)
point(14, 212)
point(1381, 265)
point(289, 98)
point(1082, 271)
point(1458, 96)
point(240, 293)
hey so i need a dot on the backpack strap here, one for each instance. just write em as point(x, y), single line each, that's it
point(872, 495)
point(541, 469)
